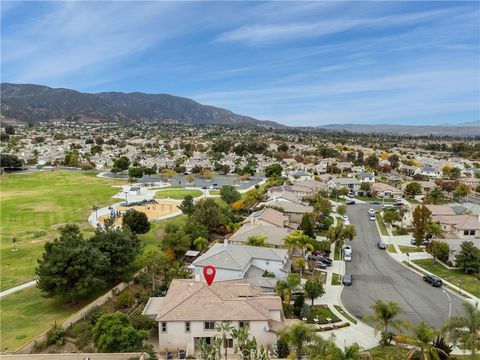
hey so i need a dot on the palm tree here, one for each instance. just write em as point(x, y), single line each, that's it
point(201, 244)
point(224, 328)
point(466, 329)
point(285, 288)
point(257, 240)
point(435, 229)
point(297, 336)
point(424, 335)
point(349, 232)
point(384, 314)
point(296, 239)
point(244, 343)
point(320, 349)
point(300, 263)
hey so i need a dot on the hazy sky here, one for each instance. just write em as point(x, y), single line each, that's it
point(298, 63)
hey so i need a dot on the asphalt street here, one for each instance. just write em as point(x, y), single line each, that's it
point(377, 276)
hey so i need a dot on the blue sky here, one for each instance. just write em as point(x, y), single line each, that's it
point(297, 63)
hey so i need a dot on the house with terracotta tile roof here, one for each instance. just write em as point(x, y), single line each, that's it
point(189, 312)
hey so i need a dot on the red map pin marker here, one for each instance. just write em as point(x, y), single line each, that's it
point(209, 273)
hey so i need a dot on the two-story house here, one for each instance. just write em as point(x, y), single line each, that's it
point(189, 312)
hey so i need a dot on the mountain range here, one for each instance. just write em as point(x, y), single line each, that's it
point(34, 103)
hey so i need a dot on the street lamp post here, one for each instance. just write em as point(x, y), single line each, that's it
point(449, 310)
point(126, 196)
point(408, 259)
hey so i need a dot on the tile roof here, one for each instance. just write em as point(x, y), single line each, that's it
point(269, 215)
point(188, 300)
point(461, 222)
point(275, 235)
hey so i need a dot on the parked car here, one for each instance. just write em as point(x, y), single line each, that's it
point(347, 257)
point(347, 249)
point(321, 265)
point(204, 187)
point(345, 218)
point(423, 243)
point(433, 280)
point(375, 202)
point(371, 211)
point(295, 295)
point(326, 260)
point(387, 206)
point(347, 279)
point(351, 196)
point(346, 222)
point(381, 245)
point(372, 217)
point(398, 199)
point(313, 257)
point(350, 202)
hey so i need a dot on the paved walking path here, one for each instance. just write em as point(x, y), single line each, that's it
point(17, 288)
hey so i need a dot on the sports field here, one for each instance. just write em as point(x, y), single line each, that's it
point(177, 193)
point(34, 205)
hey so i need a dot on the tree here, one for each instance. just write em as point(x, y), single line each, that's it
point(244, 343)
point(257, 240)
point(135, 172)
point(306, 225)
point(9, 130)
point(168, 173)
point(468, 258)
point(113, 333)
point(412, 189)
point(122, 163)
point(136, 221)
point(422, 217)
point(435, 196)
point(435, 229)
point(465, 329)
point(207, 174)
point(341, 209)
point(238, 205)
point(70, 266)
point(384, 315)
point(439, 250)
point(349, 232)
point(461, 191)
point(366, 186)
point(274, 170)
point(393, 159)
point(424, 336)
point(300, 264)
point(320, 349)
point(201, 244)
point(322, 205)
point(187, 205)
point(154, 262)
point(372, 161)
point(296, 239)
point(207, 213)
point(9, 161)
point(176, 240)
point(224, 328)
point(229, 194)
point(313, 289)
point(297, 336)
point(336, 233)
point(121, 247)
point(391, 215)
point(285, 288)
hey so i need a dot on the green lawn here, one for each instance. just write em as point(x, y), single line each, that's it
point(409, 249)
point(381, 224)
point(338, 252)
point(391, 248)
point(152, 238)
point(214, 192)
point(345, 314)
point(34, 205)
point(26, 314)
point(177, 194)
point(468, 282)
point(321, 312)
point(336, 279)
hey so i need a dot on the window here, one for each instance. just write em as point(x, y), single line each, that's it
point(243, 324)
point(209, 325)
point(229, 343)
point(187, 326)
point(164, 327)
point(468, 232)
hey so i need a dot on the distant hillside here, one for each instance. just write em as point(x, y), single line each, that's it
point(466, 129)
point(33, 103)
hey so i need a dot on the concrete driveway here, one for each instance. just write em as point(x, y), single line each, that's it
point(377, 276)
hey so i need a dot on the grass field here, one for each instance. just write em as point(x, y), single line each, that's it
point(153, 237)
point(383, 228)
point(336, 279)
point(391, 248)
point(177, 194)
point(468, 282)
point(34, 205)
point(410, 249)
point(345, 314)
point(26, 314)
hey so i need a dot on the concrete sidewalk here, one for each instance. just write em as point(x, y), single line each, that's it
point(18, 288)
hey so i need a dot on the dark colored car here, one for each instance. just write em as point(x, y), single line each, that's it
point(433, 280)
point(350, 202)
point(296, 295)
point(381, 245)
point(326, 260)
point(347, 279)
point(321, 265)
point(375, 202)
point(313, 257)
point(204, 187)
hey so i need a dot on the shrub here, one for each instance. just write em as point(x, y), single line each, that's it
point(141, 322)
point(125, 300)
point(82, 331)
point(56, 335)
